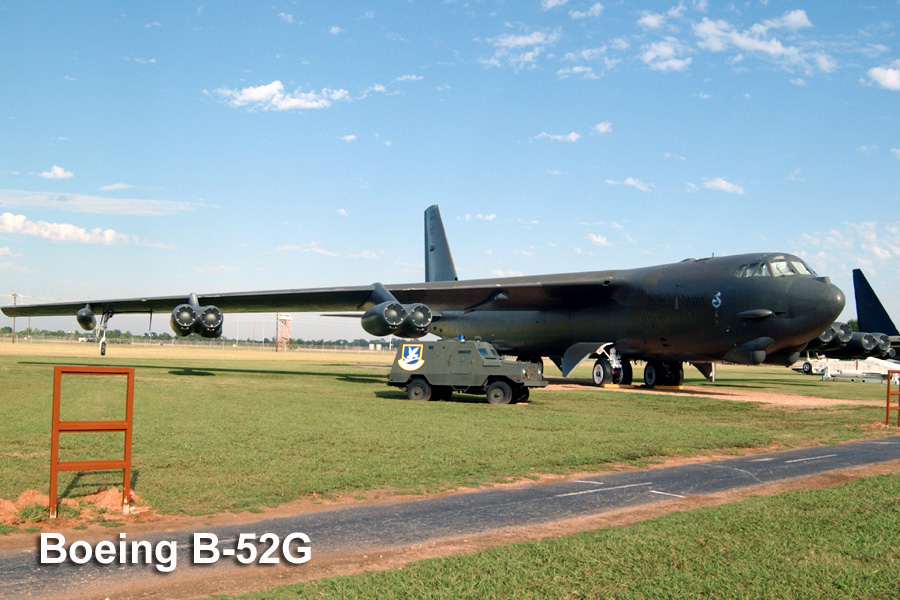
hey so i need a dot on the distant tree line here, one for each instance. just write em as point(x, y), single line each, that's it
point(118, 335)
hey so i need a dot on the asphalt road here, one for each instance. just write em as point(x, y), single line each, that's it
point(385, 526)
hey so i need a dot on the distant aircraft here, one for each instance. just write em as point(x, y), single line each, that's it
point(870, 313)
point(876, 337)
point(747, 309)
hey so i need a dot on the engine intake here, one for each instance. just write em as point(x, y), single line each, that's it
point(384, 319)
point(189, 318)
point(85, 318)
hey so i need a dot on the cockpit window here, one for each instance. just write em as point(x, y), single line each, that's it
point(781, 268)
point(777, 266)
point(762, 270)
point(801, 268)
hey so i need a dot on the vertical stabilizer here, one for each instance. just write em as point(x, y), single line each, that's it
point(870, 313)
point(438, 262)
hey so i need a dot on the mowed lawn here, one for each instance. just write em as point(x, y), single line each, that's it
point(220, 429)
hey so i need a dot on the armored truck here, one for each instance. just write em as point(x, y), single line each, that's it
point(436, 369)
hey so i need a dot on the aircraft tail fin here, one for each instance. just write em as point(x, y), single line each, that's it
point(438, 261)
point(870, 313)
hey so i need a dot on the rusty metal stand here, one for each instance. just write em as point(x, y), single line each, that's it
point(892, 377)
point(91, 427)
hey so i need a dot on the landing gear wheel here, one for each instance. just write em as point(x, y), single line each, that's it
point(499, 392)
point(623, 376)
point(658, 372)
point(103, 347)
point(418, 390)
point(652, 374)
point(807, 368)
point(602, 372)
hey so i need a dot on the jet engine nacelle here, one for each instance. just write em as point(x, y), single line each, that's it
point(209, 325)
point(187, 319)
point(184, 319)
point(861, 344)
point(85, 318)
point(391, 317)
point(384, 319)
point(417, 321)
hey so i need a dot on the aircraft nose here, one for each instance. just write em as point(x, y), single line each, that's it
point(815, 300)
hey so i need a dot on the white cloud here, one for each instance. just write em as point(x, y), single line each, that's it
point(594, 11)
point(604, 127)
point(887, 77)
point(409, 78)
point(335, 30)
point(551, 4)
point(481, 217)
point(342, 212)
point(94, 204)
point(313, 247)
point(666, 55)
point(5, 251)
point(520, 51)
point(896, 152)
point(115, 187)
point(651, 20)
point(580, 72)
point(57, 173)
point(599, 240)
point(721, 185)
point(286, 17)
point(631, 182)
point(349, 138)
point(569, 137)
point(61, 232)
point(719, 36)
point(273, 97)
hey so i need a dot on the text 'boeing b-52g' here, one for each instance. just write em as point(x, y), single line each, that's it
point(747, 309)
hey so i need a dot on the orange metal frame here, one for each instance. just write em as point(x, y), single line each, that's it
point(91, 427)
point(891, 377)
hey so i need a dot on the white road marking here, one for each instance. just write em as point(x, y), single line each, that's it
point(666, 494)
point(762, 460)
point(618, 487)
point(810, 458)
point(586, 481)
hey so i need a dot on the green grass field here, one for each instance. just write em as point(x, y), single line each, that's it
point(224, 430)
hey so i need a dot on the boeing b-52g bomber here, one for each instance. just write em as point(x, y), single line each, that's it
point(747, 309)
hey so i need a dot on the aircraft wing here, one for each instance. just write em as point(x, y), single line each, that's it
point(517, 293)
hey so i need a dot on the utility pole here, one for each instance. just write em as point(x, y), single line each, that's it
point(14, 296)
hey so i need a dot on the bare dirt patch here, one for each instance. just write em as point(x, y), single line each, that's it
point(734, 394)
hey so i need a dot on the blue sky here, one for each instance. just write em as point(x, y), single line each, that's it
point(163, 148)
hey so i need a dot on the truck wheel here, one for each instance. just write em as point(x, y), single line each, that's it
point(418, 390)
point(499, 392)
point(522, 394)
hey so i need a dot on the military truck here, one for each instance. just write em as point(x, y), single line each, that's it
point(436, 369)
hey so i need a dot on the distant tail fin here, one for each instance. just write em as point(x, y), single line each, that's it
point(870, 314)
point(438, 262)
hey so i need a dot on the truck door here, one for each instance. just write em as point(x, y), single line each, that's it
point(461, 362)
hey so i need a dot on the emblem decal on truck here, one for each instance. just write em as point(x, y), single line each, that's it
point(411, 358)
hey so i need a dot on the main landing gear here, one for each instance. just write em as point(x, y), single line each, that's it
point(663, 372)
point(610, 368)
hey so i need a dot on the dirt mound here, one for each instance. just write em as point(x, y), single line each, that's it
point(33, 507)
